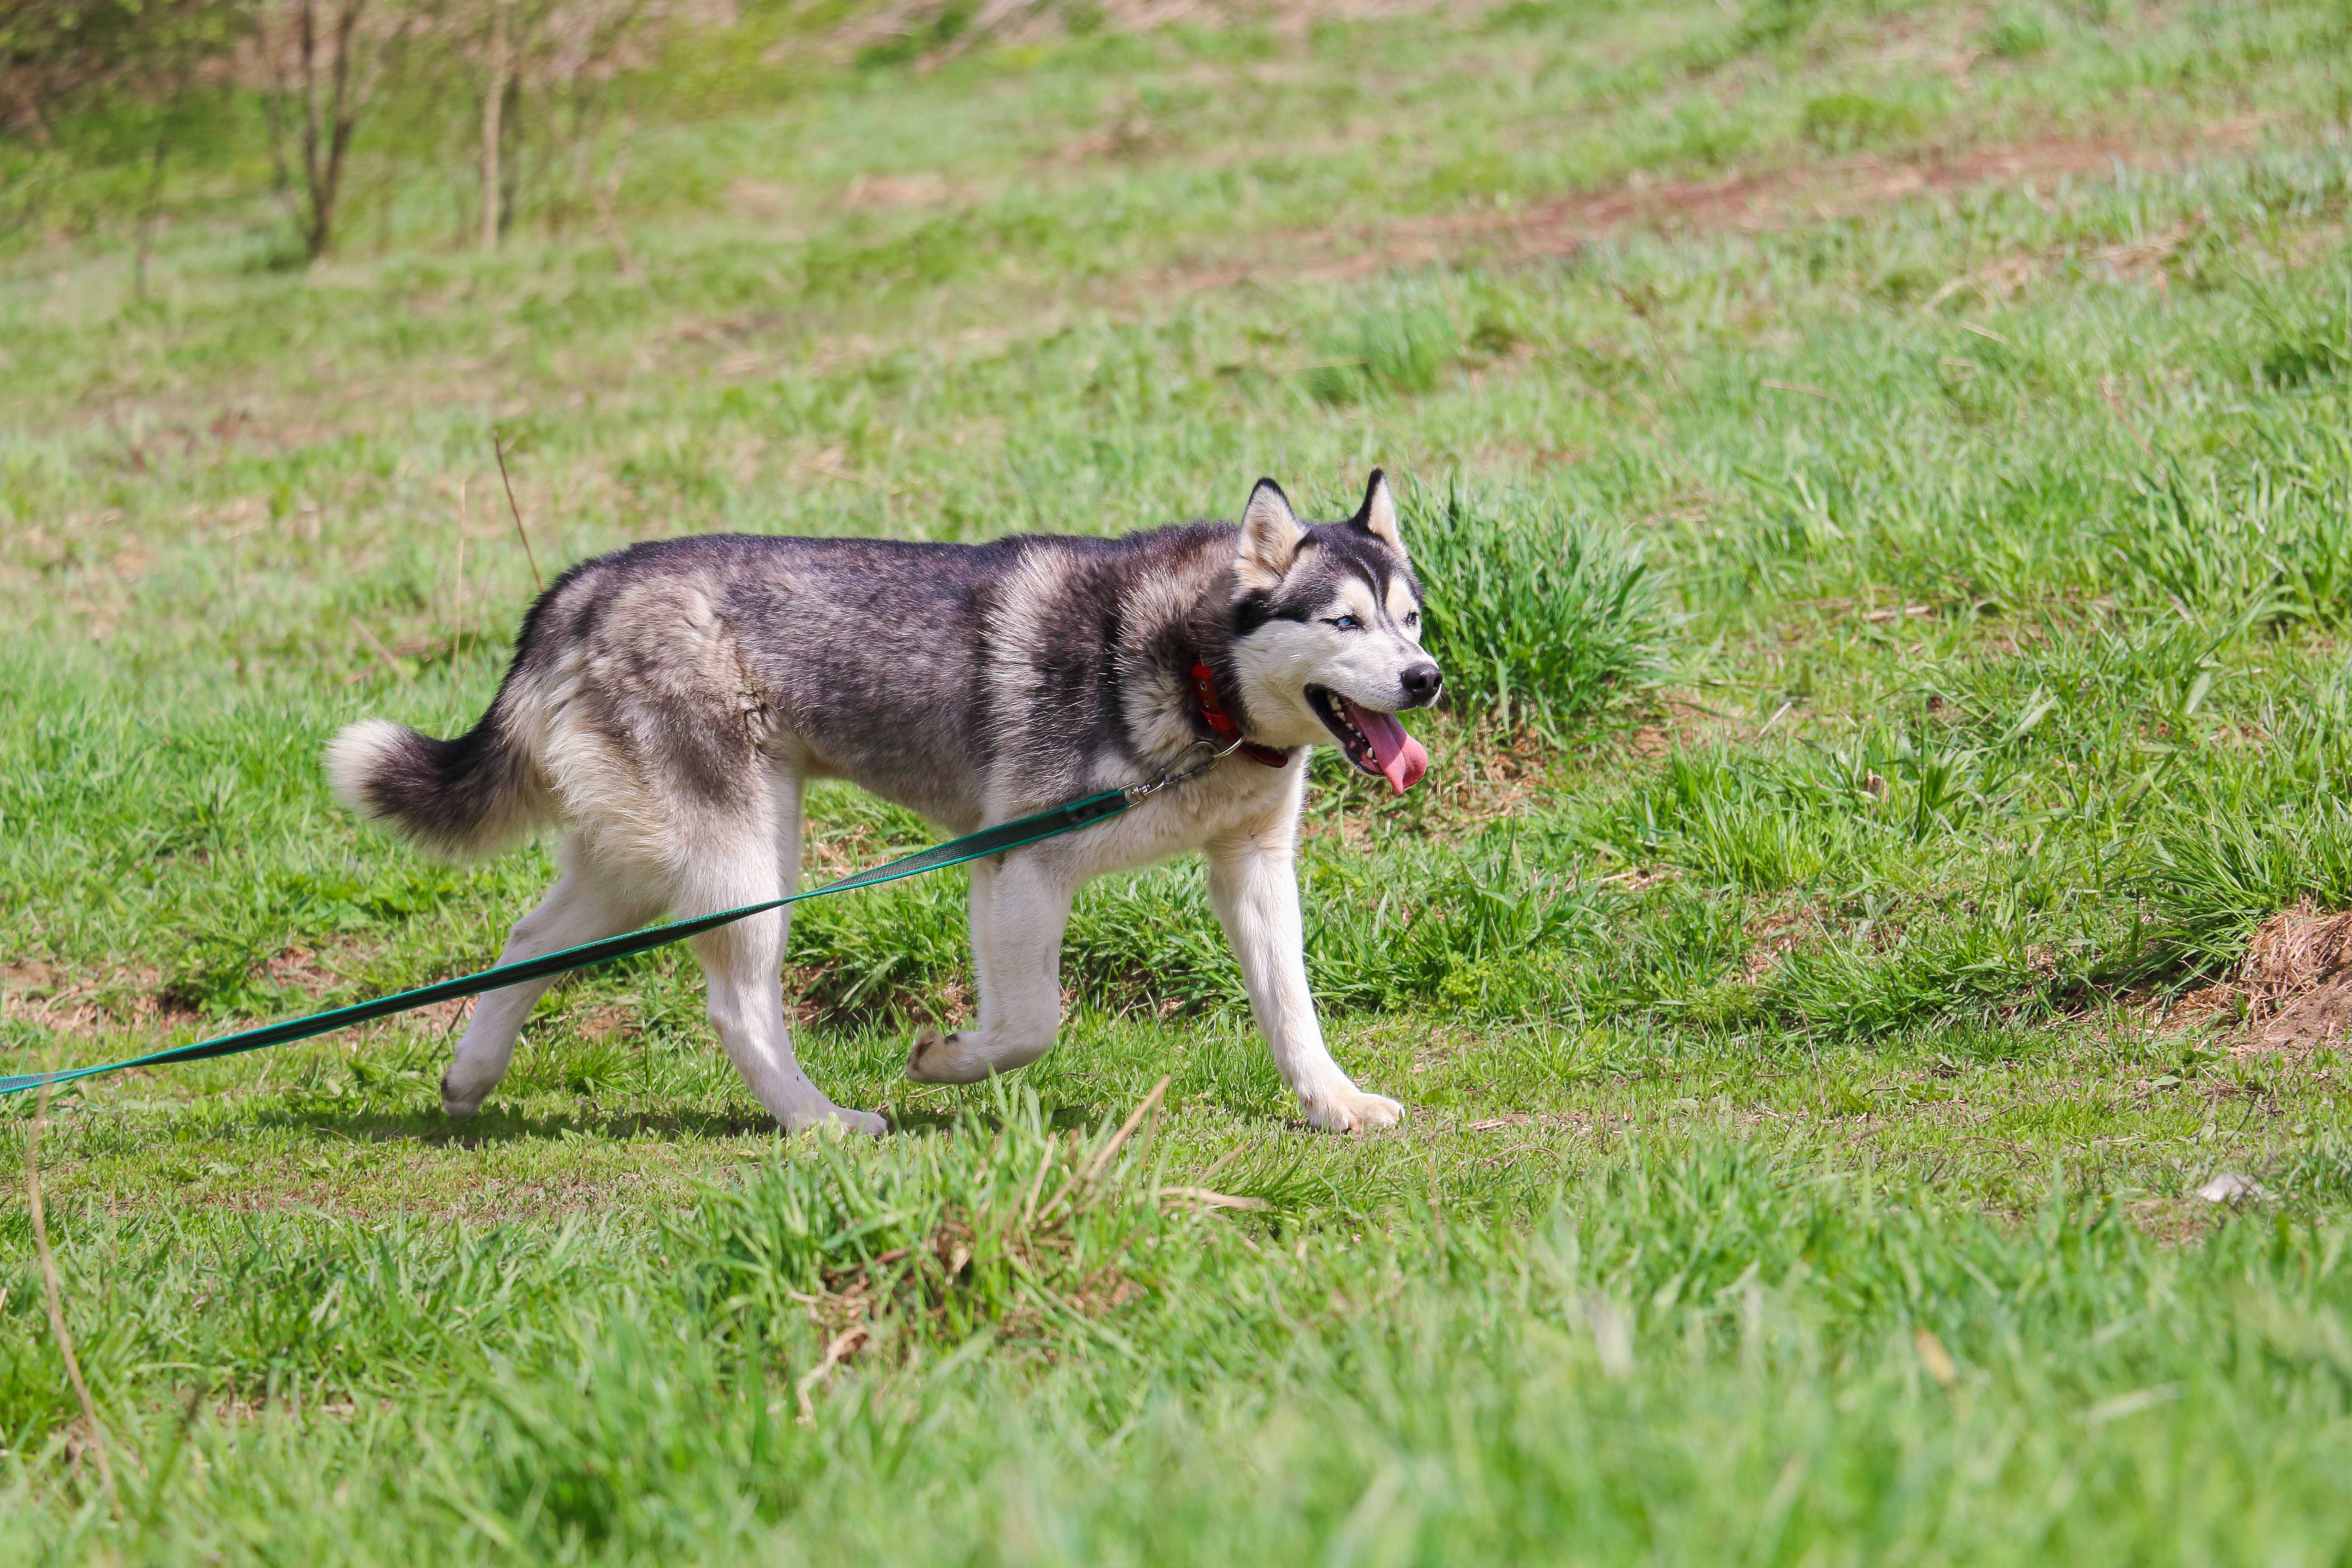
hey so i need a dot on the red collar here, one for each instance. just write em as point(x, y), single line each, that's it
point(1212, 712)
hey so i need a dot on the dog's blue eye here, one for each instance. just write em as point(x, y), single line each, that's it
point(1412, 617)
point(1345, 623)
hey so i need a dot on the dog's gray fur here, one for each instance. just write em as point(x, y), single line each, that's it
point(667, 703)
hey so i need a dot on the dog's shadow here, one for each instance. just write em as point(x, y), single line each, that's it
point(433, 1127)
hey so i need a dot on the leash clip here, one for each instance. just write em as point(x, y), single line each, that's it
point(1216, 754)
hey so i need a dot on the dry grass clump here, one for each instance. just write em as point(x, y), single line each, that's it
point(2294, 987)
point(2294, 953)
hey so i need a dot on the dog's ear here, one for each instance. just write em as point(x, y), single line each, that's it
point(1377, 515)
point(1270, 537)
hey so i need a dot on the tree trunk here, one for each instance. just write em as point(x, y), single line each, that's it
point(313, 113)
point(494, 98)
point(154, 210)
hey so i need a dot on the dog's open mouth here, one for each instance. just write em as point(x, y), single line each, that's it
point(1373, 742)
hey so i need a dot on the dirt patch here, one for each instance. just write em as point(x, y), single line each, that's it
point(304, 969)
point(758, 201)
point(1771, 937)
point(139, 1008)
point(1031, 21)
point(1741, 202)
point(880, 192)
point(2324, 1017)
point(622, 1019)
point(1127, 140)
point(46, 997)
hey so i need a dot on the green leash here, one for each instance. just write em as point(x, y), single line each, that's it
point(994, 840)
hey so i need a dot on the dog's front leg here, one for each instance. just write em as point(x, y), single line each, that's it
point(1020, 907)
point(1254, 885)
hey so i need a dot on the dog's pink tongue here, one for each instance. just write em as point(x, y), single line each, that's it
point(1402, 759)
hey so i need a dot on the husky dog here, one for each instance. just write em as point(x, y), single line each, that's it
point(668, 704)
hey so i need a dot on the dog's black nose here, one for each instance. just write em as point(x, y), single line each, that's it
point(1420, 682)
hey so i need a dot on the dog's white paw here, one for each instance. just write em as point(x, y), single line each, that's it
point(966, 1057)
point(457, 1105)
point(935, 1057)
point(1351, 1110)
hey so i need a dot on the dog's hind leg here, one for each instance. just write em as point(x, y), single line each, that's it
point(1255, 885)
point(742, 965)
point(586, 903)
point(1019, 910)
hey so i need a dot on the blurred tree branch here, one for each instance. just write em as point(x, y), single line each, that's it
point(542, 66)
point(389, 77)
point(55, 54)
point(323, 67)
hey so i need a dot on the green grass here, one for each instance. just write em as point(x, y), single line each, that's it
point(1898, 653)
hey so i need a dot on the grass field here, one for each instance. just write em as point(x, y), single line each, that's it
point(1883, 476)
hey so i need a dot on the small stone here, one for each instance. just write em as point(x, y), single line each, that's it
point(2229, 1187)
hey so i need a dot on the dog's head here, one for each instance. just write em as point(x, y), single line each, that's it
point(1326, 632)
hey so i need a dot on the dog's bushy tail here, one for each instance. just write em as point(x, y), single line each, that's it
point(458, 799)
